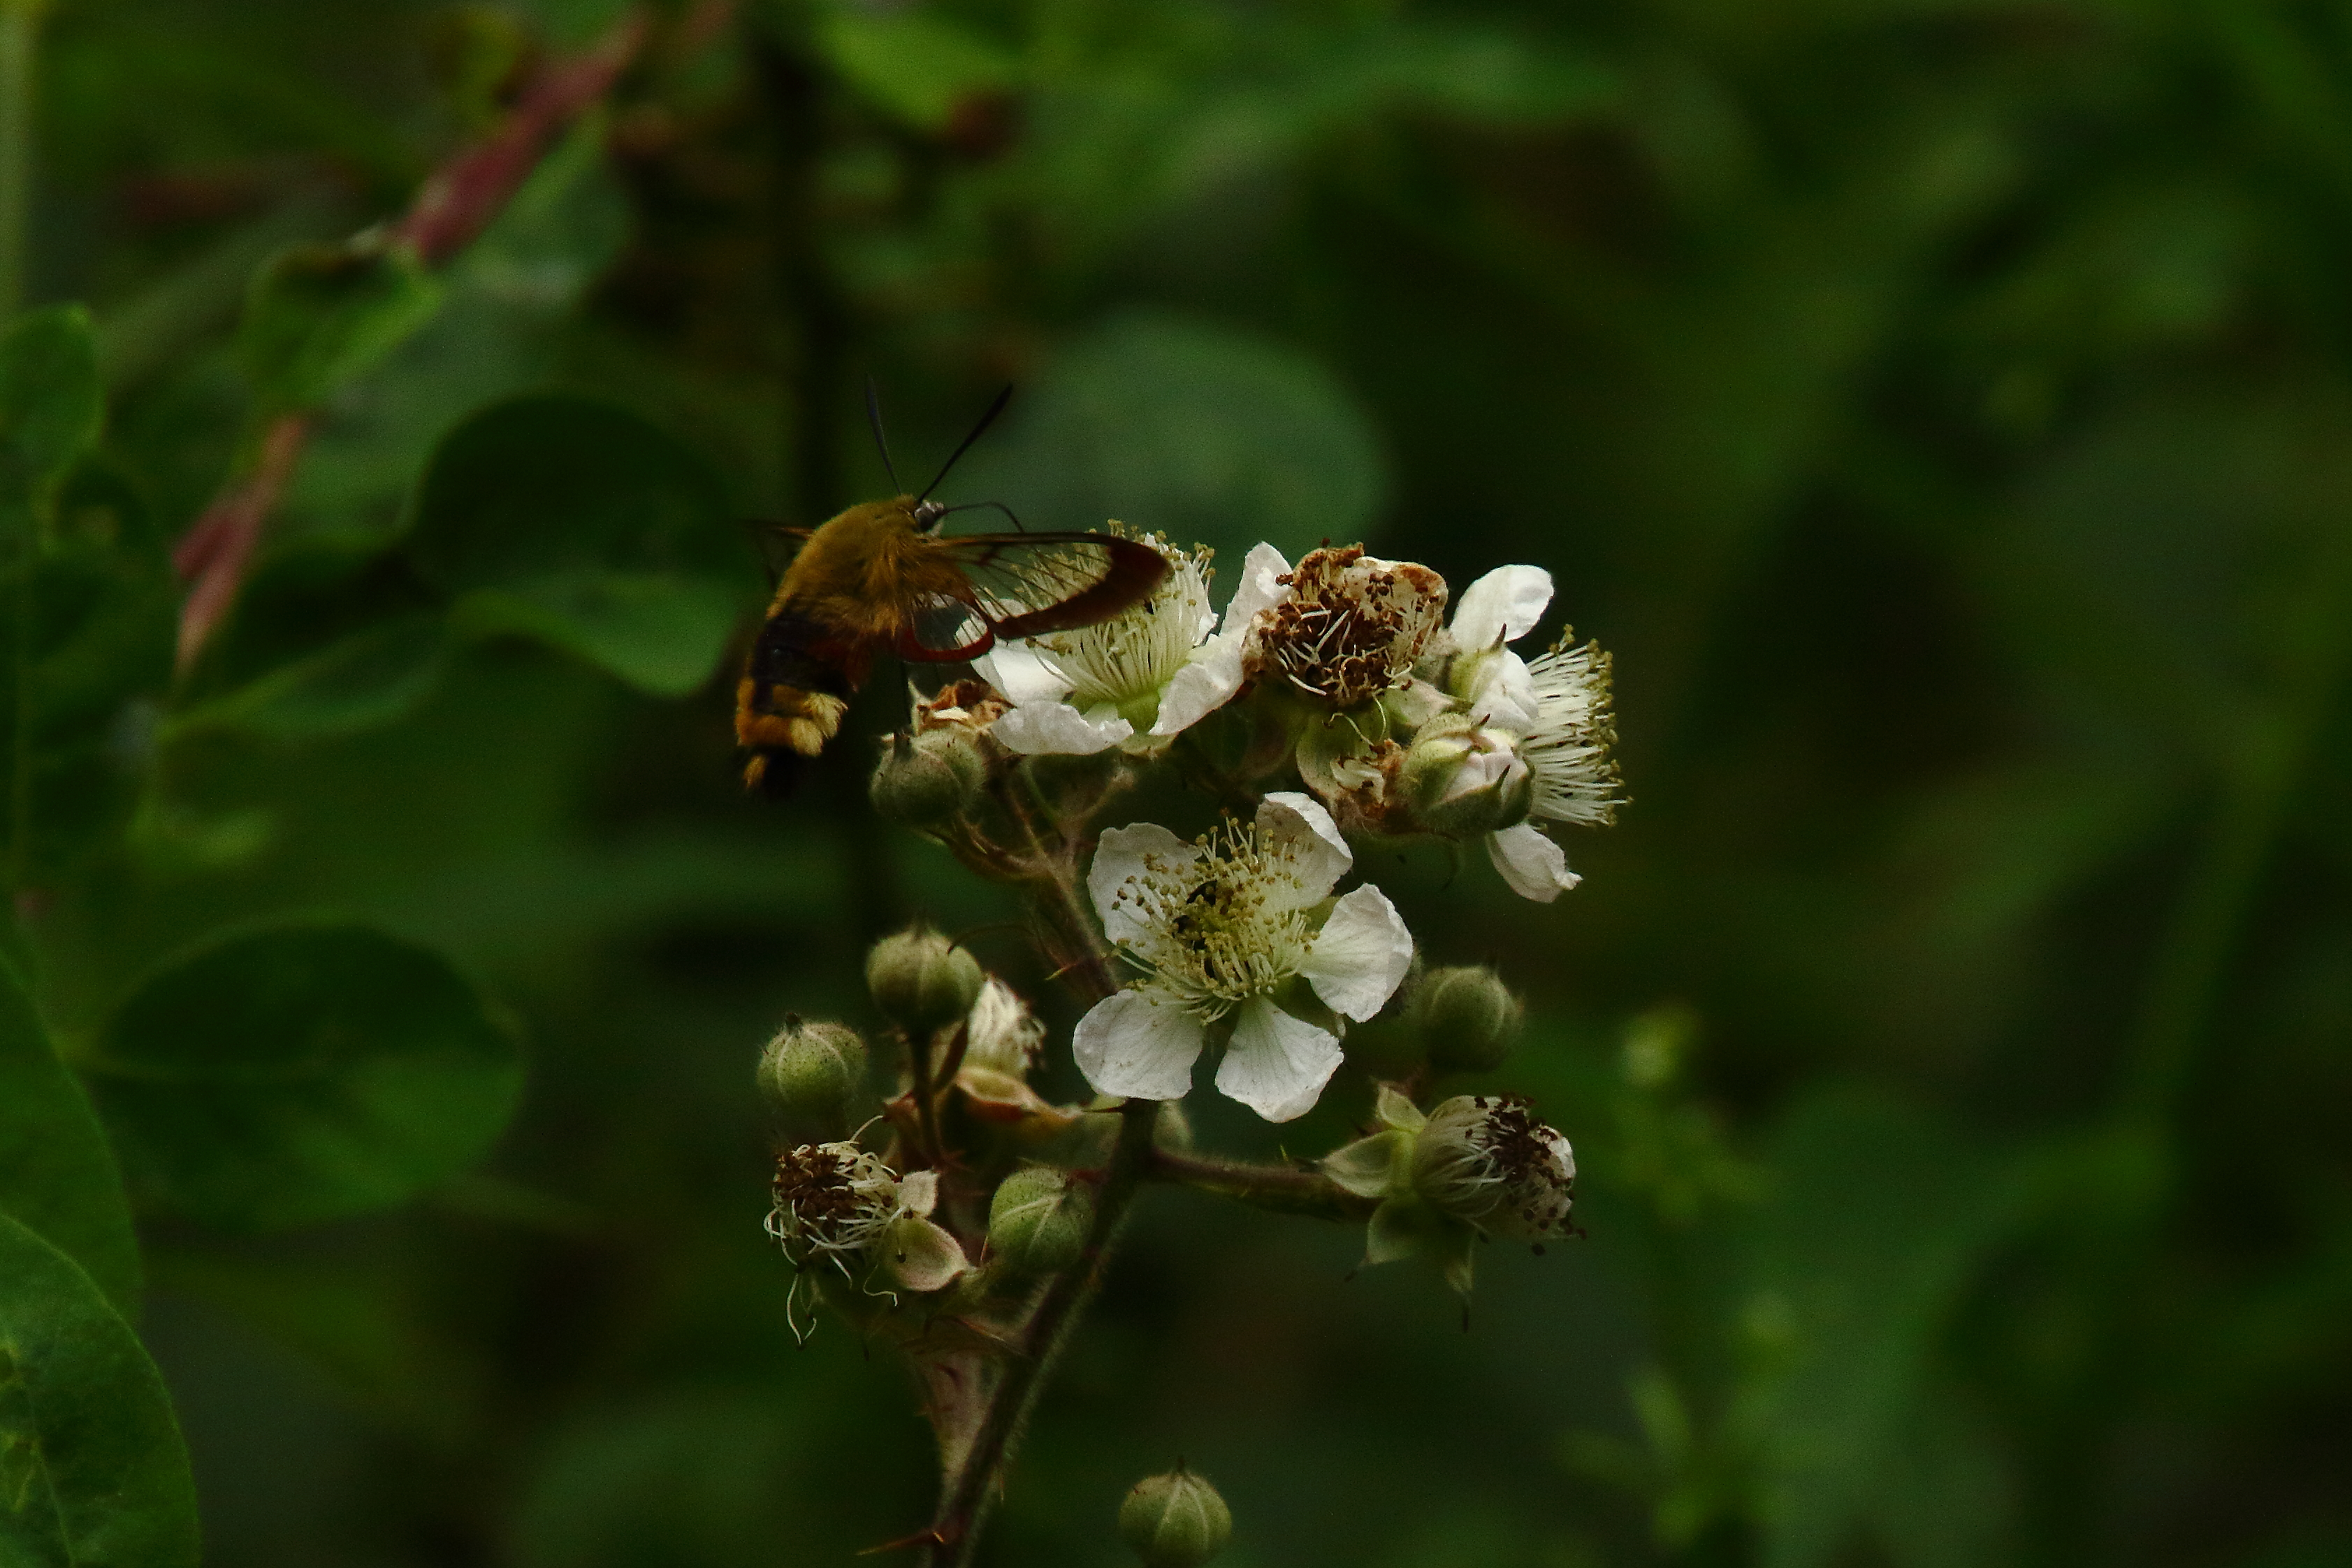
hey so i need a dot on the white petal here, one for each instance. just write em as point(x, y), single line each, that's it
point(1504, 693)
point(1204, 684)
point(1531, 863)
point(919, 1255)
point(1057, 729)
point(1138, 1046)
point(1502, 607)
point(1361, 955)
point(1277, 1065)
point(1261, 587)
point(1118, 856)
point(1299, 823)
point(919, 1192)
point(1021, 673)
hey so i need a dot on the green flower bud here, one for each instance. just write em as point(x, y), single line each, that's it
point(814, 1073)
point(921, 981)
point(1485, 1159)
point(1038, 1220)
point(1466, 1017)
point(929, 778)
point(1461, 778)
point(1175, 1521)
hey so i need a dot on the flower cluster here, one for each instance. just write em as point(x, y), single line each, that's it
point(1396, 721)
point(1334, 706)
point(1400, 720)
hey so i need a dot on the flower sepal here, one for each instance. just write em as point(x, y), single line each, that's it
point(1463, 778)
point(1372, 1167)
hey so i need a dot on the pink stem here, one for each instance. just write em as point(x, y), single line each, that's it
point(456, 203)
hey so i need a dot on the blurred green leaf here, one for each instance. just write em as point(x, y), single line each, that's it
point(51, 404)
point(918, 65)
point(583, 525)
point(687, 1479)
point(105, 605)
point(1200, 431)
point(321, 314)
point(57, 1175)
point(1879, 1215)
point(301, 1073)
point(571, 23)
point(92, 1467)
point(371, 678)
point(353, 1324)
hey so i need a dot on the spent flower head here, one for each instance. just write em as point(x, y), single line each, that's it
point(1220, 929)
point(1347, 627)
point(1478, 1165)
point(839, 1204)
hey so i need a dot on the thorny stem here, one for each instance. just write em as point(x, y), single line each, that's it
point(973, 1487)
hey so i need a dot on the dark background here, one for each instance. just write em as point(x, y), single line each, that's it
point(1940, 410)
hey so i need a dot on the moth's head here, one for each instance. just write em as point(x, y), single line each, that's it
point(927, 515)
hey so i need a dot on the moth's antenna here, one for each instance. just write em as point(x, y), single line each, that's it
point(986, 419)
point(991, 505)
point(881, 444)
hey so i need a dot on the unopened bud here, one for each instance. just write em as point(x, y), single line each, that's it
point(1466, 1017)
point(1175, 1521)
point(1485, 1159)
point(814, 1073)
point(921, 981)
point(929, 778)
point(1038, 1220)
point(1460, 778)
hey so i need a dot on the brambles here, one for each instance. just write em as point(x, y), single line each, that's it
point(968, 1220)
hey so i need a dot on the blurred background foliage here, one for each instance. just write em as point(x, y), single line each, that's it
point(1943, 409)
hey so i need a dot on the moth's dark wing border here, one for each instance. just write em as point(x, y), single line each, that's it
point(1026, 585)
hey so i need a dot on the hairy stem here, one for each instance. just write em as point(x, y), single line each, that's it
point(1284, 1189)
point(971, 1489)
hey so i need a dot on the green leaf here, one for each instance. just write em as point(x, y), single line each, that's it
point(51, 404)
point(583, 525)
point(1209, 434)
point(918, 66)
point(321, 314)
point(104, 609)
point(58, 1173)
point(369, 679)
point(302, 1073)
point(92, 1470)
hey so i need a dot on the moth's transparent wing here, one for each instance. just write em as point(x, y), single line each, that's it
point(1025, 585)
point(944, 630)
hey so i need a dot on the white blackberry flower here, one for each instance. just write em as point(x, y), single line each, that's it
point(1218, 928)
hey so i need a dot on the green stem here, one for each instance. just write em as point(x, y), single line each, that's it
point(1284, 1189)
point(20, 31)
